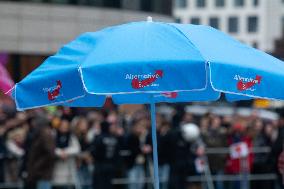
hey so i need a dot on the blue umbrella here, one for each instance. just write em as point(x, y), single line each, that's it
point(151, 62)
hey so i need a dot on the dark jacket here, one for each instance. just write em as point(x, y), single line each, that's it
point(181, 160)
point(276, 150)
point(105, 152)
point(163, 142)
point(3, 153)
point(105, 148)
point(216, 138)
point(3, 150)
point(134, 149)
point(181, 157)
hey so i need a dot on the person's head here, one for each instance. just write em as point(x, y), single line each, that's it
point(139, 128)
point(82, 125)
point(105, 127)
point(188, 118)
point(238, 128)
point(64, 126)
point(216, 122)
point(258, 125)
point(95, 116)
point(112, 117)
point(146, 122)
point(227, 121)
point(204, 122)
point(165, 127)
point(281, 121)
point(250, 132)
point(3, 117)
point(41, 125)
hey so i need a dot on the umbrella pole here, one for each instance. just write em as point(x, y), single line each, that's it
point(154, 141)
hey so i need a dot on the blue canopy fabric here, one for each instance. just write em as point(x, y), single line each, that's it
point(151, 62)
point(135, 62)
point(235, 67)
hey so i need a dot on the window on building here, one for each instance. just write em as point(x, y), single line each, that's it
point(252, 24)
point(219, 3)
point(233, 26)
point(146, 5)
point(214, 22)
point(255, 44)
point(239, 3)
point(195, 20)
point(178, 20)
point(200, 3)
point(181, 3)
point(282, 24)
point(255, 3)
point(111, 3)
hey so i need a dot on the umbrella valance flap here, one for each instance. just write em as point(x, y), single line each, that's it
point(57, 79)
point(237, 68)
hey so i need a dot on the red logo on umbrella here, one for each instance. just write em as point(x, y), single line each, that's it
point(170, 94)
point(52, 95)
point(247, 85)
point(136, 84)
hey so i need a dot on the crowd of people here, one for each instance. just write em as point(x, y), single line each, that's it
point(87, 148)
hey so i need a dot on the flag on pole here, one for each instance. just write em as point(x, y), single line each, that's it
point(239, 150)
point(6, 83)
point(199, 165)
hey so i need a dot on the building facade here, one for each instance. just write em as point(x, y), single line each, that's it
point(41, 28)
point(255, 22)
point(31, 30)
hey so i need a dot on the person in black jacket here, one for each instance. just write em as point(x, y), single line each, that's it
point(139, 149)
point(277, 149)
point(183, 150)
point(105, 150)
point(163, 142)
point(163, 134)
point(3, 150)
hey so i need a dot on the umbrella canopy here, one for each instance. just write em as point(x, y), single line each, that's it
point(144, 61)
point(150, 62)
point(5, 80)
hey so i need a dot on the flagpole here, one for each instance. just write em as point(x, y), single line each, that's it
point(154, 141)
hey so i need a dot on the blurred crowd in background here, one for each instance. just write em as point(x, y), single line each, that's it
point(87, 148)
